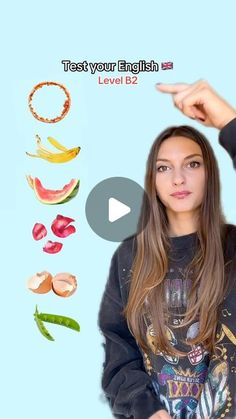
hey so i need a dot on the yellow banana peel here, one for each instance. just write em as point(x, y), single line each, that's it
point(63, 157)
point(59, 157)
point(56, 144)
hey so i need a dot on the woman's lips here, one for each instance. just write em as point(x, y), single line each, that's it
point(181, 195)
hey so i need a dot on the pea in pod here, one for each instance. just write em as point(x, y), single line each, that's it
point(55, 319)
point(41, 326)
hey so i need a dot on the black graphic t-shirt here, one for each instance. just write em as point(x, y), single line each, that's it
point(178, 380)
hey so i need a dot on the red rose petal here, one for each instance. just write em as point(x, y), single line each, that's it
point(66, 232)
point(60, 226)
point(66, 220)
point(39, 231)
point(52, 247)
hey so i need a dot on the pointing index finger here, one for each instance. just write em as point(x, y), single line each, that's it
point(171, 88)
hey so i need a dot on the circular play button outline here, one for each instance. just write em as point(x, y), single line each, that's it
point(113, 208)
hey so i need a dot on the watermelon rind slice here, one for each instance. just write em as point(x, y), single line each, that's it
point(54, 197)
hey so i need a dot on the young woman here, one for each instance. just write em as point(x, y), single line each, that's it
point(168, 311)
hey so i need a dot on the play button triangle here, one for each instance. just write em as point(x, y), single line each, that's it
point(113, 208)
point(117, 209)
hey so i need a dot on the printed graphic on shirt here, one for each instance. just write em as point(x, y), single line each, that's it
point(195, 355)
point(215, 393)
point(180, 380)
point(172, 359)
point(176, 292)
point(183, 387)
point(216, 397)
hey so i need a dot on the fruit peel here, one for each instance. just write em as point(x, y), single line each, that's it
point(54, 196)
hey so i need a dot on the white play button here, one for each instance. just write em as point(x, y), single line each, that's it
point(113, 208)
point(116, 209)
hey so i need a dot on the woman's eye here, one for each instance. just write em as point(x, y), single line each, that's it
point(194, 164)
point(162, 168)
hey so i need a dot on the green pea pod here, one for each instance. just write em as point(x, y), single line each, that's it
point(60, 320)
point(41, 326)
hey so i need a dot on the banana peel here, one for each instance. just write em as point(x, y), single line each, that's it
point(63, 157)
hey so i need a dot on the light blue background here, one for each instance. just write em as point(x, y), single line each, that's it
point(115, 127)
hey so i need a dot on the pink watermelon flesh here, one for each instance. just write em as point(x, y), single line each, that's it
point(50, 196)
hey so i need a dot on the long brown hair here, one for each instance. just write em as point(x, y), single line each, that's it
point(150, 264)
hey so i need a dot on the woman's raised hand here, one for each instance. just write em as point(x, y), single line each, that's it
point(161, 414)
point(199, 101)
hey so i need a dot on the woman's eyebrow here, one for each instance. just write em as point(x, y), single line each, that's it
point(185, 158)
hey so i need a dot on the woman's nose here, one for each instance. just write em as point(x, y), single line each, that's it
point(178, 178)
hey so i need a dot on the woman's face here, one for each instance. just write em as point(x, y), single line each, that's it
point(180, 175)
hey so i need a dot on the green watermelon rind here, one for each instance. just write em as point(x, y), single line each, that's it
point(69, 197)
point(72, 194)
